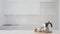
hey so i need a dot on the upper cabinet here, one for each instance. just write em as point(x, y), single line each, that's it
point(21, 7)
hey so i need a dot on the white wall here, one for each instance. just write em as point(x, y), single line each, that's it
point(30, 12)
point(59, 12)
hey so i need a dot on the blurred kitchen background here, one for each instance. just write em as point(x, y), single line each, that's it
point(28, 14)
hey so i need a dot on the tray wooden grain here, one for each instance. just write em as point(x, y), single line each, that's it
point(42, 33)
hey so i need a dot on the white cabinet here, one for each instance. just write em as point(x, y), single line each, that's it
point(22, 7)
point(1, 13)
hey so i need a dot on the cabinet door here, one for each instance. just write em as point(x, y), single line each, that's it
point(22, 7)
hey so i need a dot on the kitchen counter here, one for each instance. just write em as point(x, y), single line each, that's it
point(24, 32)
point(21, 30)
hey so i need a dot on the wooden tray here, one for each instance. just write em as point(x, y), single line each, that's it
point(50, 32)
point(42, 33)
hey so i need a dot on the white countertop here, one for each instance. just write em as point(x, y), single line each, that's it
point(22, 32)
